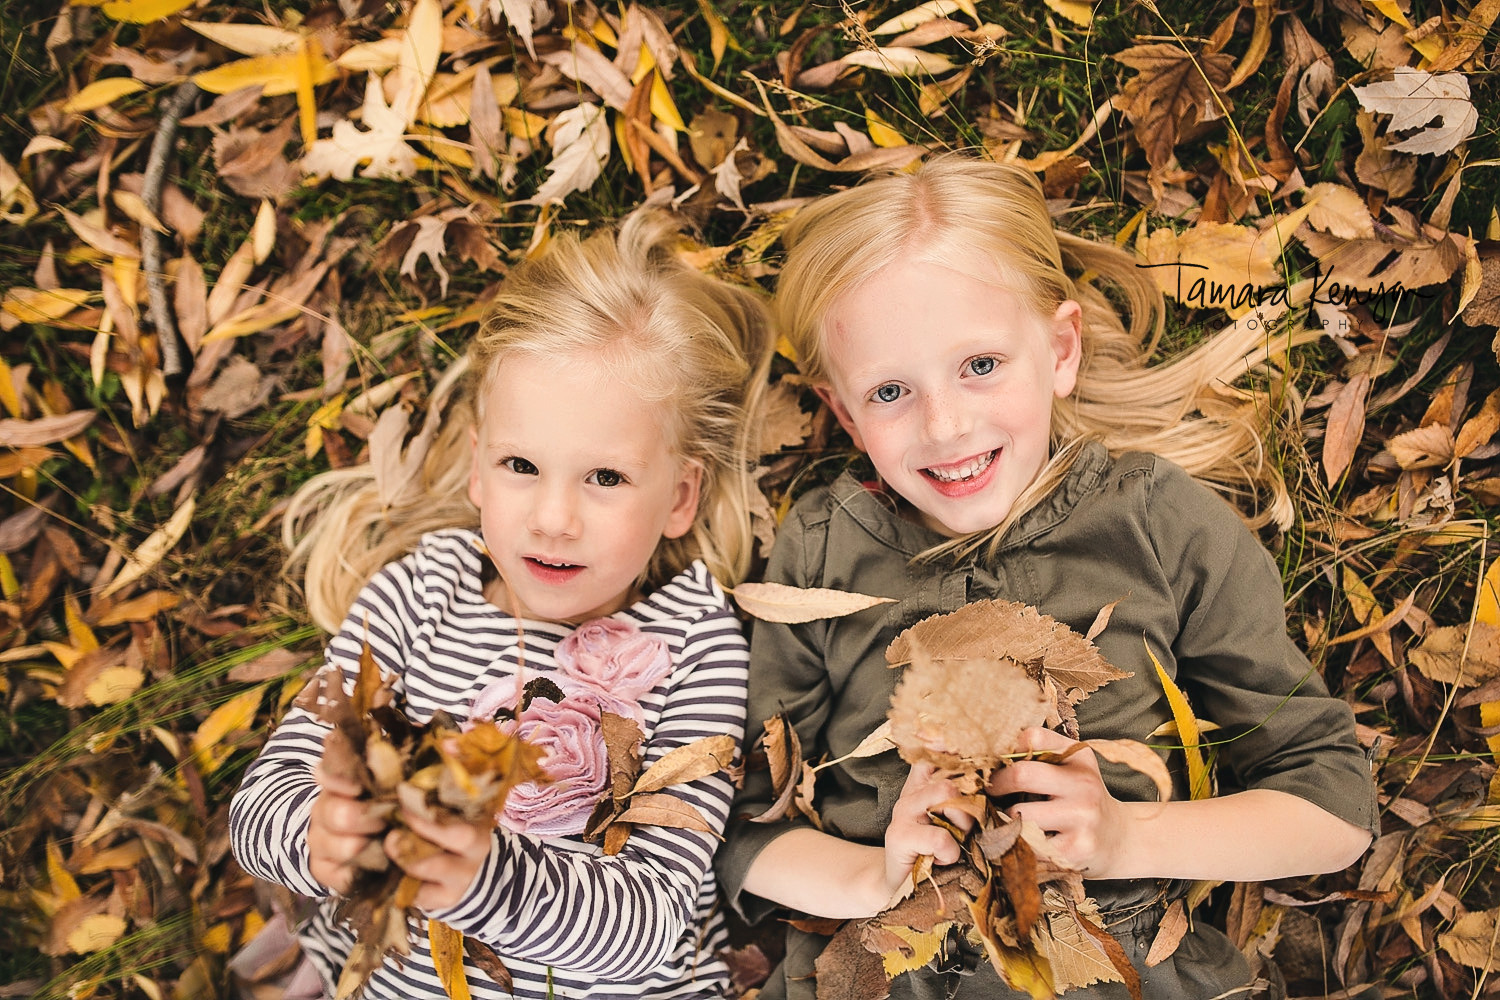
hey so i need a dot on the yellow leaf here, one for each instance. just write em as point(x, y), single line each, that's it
point(247, 39)
point(924, 946)
point(8, 397)
point(114, 685)
point(10, 586)
point(63, 885)
point(235, 715)
point(253, 320)
point(719, 39)
point(217, 939)
point(1487, 601)
point(102, 93)
point(78, 630)
point(96, 932)
point(117, 858)
point(1391, 10)
point(1187, 729)
point(881, 132)
point(326, 417)
point(1077, 11)
point(263, 232)
point(151, 551)
point(662, 108)
point(274, 74)
point(145, 11)
point(1361, 598)
point(448, 958)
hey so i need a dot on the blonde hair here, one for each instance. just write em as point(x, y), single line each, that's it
point(679, 337)
point(990, 221)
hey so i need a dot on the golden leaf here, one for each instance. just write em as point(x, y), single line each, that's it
point(153, 549)
point(102, 93)
point(144, 11)
point(1187, 732)
point(922, 945)
point(448, 958)
point(661, 809)
point(1457, 654)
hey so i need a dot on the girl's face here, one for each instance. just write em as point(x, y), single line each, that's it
point(576, 484)
point(947, 382)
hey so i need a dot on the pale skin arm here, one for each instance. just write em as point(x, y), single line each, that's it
point(826, 876)
point(1249, 836)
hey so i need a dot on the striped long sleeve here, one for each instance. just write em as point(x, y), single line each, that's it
point(566, 920)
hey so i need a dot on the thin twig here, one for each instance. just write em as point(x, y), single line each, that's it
point(163, 319)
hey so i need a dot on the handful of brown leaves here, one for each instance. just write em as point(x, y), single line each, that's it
point(437, 771)
point(974, 680)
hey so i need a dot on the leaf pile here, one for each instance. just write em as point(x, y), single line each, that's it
point(436, 771)
point(974, 679)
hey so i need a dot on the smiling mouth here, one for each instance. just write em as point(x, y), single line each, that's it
point(547, 564)
point(963, 471)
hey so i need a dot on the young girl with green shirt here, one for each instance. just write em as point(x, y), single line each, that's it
point(1027, 453)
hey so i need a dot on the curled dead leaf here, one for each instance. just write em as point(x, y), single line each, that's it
point(776, 602)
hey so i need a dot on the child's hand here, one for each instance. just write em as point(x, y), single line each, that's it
point(447, 863)
point(912, 833)
point(342, 827)
point(1086, 824)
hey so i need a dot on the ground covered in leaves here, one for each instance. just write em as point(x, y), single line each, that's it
point(241, 243)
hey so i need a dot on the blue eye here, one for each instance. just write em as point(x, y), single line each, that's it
point(888, 393)
point(981, 366)
point(520, 466)
point(608, 478)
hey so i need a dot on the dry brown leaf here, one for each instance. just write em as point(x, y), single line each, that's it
point(847, 970)
point(784, 424)
point(688, 763)
point(1173, 91)
point(1135, 755)
point(1472, 939)
point(1479, 428)
point(963, 713)
point(1217, 265)
point(1338, 209)
point(17, 433)
point(1380, 265)
point(1174, 924)
point(1346, 427)
point(1009, 629)
point(1453, 654)
point(1378, 167)
point(1427, 447)
point(661, 809)
point(776, 602)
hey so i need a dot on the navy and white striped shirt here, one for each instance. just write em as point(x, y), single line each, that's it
point(566, 920)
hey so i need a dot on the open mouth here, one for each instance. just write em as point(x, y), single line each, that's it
point(963, 471)
point(549, 571)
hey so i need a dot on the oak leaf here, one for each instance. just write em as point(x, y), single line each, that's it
point(580, 145)
point(1471, 940)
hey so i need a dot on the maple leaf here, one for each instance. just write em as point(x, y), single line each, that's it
point(427, 243)
point(1437, 107)
point(580, 146)
point(1174, 91)
point(382, 147)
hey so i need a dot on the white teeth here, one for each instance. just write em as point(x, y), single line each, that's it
point(968, 470)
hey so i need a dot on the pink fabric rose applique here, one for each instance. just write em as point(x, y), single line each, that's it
point(615, 657)
point(607, 665)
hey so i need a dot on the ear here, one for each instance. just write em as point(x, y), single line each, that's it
point(1067, 347)
point(841, 413)
point(474, 491)
point(684, 501)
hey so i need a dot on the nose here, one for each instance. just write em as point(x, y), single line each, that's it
point(554, 511)
point(944, 417)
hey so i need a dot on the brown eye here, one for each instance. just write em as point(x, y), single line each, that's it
point(520, 466)
point(607, 478)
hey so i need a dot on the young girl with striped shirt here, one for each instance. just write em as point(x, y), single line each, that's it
point(574, 529)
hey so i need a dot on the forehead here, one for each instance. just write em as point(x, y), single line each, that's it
point(569, 403)
point(914, 308)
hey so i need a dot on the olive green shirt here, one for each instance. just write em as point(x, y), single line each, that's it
point(1190, 580)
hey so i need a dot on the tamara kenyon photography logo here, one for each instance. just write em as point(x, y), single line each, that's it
point(1200, 291)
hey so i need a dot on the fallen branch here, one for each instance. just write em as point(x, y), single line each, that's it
point(163, 319)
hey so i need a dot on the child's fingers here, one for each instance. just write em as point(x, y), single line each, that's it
point(337, 814)
point(445, 858)
point(330, 781)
